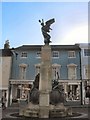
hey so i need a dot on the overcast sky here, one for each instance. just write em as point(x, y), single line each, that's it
point(20, 22)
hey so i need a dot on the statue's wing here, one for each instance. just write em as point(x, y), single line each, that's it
point(49, 22)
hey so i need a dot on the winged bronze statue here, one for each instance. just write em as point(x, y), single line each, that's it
point(46, 29)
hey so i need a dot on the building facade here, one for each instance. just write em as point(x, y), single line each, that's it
point(85, 66)
point(5, 69)
point(66, 68)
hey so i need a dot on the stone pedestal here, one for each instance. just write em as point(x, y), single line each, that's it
point(45, 109)
point(22, 103)
point(45, 84)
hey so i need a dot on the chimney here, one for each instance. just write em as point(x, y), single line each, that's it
point(6, 45)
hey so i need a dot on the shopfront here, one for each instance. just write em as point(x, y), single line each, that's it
point(20, 89)
point(72, 89)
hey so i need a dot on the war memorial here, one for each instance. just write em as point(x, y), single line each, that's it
point(46, 96)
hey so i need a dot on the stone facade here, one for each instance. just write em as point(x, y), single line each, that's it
point(5, 71)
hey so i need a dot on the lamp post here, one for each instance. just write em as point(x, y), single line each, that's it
point(81, 88)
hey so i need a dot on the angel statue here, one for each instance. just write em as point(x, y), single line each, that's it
point(46, 29)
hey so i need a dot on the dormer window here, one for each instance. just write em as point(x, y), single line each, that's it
point(24, 54)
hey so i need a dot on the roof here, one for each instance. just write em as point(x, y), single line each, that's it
point(84, 45)
point(5, 52)
point(54, 47)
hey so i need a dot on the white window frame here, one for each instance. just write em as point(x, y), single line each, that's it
point(38, 54)
point(37, 69)
point(55, 52)
point(22, 55)
point(87, 52)
point(56, 71)
point(22, 71)
point(72, 77)
point(86, 71)
point(71, 52)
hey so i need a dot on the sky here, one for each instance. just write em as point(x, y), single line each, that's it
point(19, 23)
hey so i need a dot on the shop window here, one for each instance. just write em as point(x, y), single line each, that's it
point(73, 92)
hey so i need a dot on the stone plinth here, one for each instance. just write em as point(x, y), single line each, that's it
point(45, 72)
point(44, 112)
point(45, 84)
point(22, 103)
point(31, 110)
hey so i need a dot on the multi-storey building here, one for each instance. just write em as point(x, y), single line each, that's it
point(85, 65)
point(5, 69)
point(66, 68)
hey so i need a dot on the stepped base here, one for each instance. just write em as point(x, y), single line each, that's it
point(60, 111)
point(54, 111)
point(30, 110)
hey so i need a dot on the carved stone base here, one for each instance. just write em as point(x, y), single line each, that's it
point(59, 111)
point(44, 112)
point(32, 110)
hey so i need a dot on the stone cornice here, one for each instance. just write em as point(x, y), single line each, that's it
point(21, 81)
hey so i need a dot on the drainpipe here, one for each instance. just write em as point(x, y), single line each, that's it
point(81, 79)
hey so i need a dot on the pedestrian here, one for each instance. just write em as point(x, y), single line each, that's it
point(3, 100)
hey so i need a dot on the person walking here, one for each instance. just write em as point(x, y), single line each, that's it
point(3, 102)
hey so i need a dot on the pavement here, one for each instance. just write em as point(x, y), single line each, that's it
point(83, 109)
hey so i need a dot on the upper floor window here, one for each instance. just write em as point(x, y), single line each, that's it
point(87, 72)
point(56, 71)
point(72, 71)
point(86, 52)
point(22, 71)
point(71, 54)
point(55, 54)
point(24, 54)
point(37, 69)
point(38, 54)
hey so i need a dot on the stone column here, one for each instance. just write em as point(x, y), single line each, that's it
point(45, 84)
